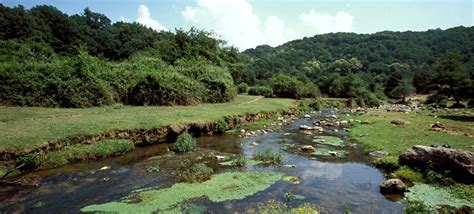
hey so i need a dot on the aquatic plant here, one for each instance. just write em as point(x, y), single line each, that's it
point(329, 152)
point(434, 196)
point(196, 173)
point(239, 161)
point(268, 156)
point(276, 207)
point(221, 187)
point(328, 140)
point(184, 143)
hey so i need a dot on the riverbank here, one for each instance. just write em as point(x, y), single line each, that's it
point(28, 130)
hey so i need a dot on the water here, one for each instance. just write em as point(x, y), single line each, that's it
point(328, 182)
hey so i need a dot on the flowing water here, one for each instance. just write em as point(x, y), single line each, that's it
point(331, 183)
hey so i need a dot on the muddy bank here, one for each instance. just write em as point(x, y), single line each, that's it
point(144, 137)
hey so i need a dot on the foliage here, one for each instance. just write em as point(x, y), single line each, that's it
point(28, 160)
point(239, 161)
point(416, 207)
point(184, 143)
point(243, 88)
point(194, 172)
point(389, 163)
point(268, 156)
point(434, 196)
point(433, 177)
point(221, 187)
point(285, 86)
point(260, 91)
point(409, 175)
point(403, 89)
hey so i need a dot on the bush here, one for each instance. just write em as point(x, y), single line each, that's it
point(166, 88)
point(28, 160)
point(285, 86)
point(184, 143)
point(416, 207)
point(409, 175)
point(260, 91)
point(268, 156)
point(308, 90)
point(389, 163)
point(195, 173)
point(243, 88)
point(438, 178)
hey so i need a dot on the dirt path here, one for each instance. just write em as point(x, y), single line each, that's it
point(251, 101)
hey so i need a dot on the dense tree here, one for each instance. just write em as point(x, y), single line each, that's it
point(452, 79)
point(403, 89)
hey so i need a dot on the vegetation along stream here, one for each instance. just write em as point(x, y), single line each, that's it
point(337, 176)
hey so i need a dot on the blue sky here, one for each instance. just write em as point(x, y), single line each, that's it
point(247, 23)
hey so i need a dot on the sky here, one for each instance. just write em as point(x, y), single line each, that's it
point(248, 23)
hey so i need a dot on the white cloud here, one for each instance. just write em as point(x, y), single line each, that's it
point(144, 18)
point(236, 22)
point(123, 19)
point(326, 23)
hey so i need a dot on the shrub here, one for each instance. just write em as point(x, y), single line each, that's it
point(438, 178)
point(285, 86)
point(308, 90)
point(243, 88)
point(166, 88)
point(28, 160)
point(196, 173)
point(389, 163)
point(268, 156)
point(184, 143)
point(260, 91)
point(408, 174)
point(239, 161)
point(417, 207)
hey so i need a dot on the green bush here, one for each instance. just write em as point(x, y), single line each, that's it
point(196, 173)
point(166, 88)
point(243, 88)
point(260, 91)
point(268, 156)
point(409, 175)
point(184, 143)
point(28, 160)
point(389, 163)
point(308, 90)
point(438, 178)
point(285, 86)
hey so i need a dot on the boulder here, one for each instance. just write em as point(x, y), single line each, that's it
point(378, 154)
point(457, 163)
point(399, 122)
point(393, 186)
point(308, 148)
point(307, 116)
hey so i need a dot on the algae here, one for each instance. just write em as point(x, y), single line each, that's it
point(328, 140)
point(221, 187)
point(292, 179)
point(329, 152)
point(434, 196)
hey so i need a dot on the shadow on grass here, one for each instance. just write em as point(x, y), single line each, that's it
point(459, 118)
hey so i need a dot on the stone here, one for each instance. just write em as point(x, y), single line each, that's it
point(220, 157)
point(307, 116)
point(242, 131)
point(459, 163)
point(399, 122)
point(365, 122)
point(104, 168)
point(393, 186)
point(253, 144)
point(378, 154)
point(286, 134)
point(308, 148)
point(305, 127)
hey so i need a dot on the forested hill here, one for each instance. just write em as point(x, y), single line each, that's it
point(376, 52)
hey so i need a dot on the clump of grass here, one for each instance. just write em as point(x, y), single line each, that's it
point(409, 175)
point(78, 152)
point(193, 173)
point(268, 156)
point(389, 163)
point(274, 207)
point(239, 161)
point(417, 207)
point(153, 168)
point(184, 143)
point(221, 187)
point(28, 160)
point(433, 177)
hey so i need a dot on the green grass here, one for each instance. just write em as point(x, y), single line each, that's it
point(26, 128)
point(382, 135)
point(74, 153)
point(221, 187)
point(409, 175)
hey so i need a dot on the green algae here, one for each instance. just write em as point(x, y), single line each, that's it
point(328, 140)
point(434, 196)
point(292, 179)
point(329, 152)
point(221, 187)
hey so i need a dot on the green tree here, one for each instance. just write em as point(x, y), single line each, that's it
point(452, 78)
point(403, 89)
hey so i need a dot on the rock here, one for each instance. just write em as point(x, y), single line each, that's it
point(438, 127)
point(220, 157)
point(305, 127)
point(317, 128)
point(242, 131)
point(378, 154)
point(286, 134)
point(459, 163)
point(332, 153)
point(393, 186)
point(365, 122)
point(105, 168)
point(253, 144)
point(307, 116)
point(308, 148)
point(399, 122)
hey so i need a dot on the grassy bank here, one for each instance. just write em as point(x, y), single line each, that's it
point(26, 128)
point(380, 134)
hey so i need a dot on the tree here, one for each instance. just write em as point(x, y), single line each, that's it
point(452, 78)
point(403, 89)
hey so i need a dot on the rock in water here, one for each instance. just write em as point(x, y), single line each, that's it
point(393, 186)
point(459, 163)
point(308, 148)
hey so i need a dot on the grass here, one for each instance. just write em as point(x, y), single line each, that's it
point(221, 187)
point(409, 175)
point(382, 135)
point(268, 156)
point(73, 153)
point(27, 128)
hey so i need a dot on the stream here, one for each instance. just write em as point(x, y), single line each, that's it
point(331, 183)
